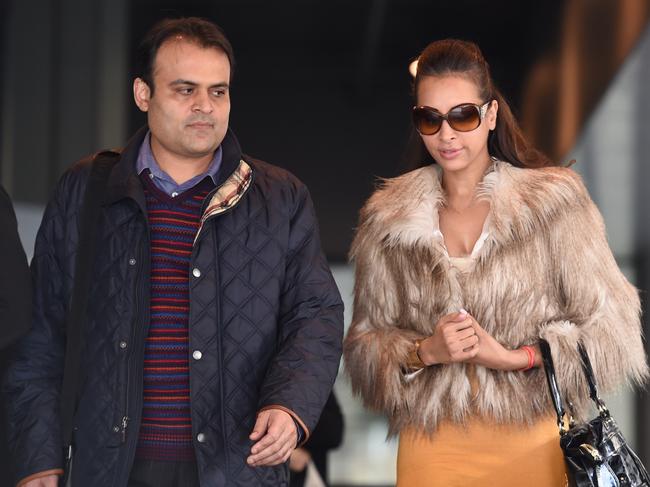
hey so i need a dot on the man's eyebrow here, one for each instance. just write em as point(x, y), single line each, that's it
point(194, 83)
point(183, 82)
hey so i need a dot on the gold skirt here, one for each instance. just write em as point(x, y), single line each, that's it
point(481, 454)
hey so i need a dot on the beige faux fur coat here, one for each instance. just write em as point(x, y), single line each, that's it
point(544, 270)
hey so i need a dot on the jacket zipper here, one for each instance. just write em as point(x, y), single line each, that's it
point(140, 326)
point(125, 422)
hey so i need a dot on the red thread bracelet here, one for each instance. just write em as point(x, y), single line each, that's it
point(531, 359)
point(530, 351)
point(527, 367)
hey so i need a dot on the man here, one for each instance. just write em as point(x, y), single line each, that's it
point(15, 304)
point(214, 325)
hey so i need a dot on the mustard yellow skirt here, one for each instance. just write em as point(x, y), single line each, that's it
point(481, 454)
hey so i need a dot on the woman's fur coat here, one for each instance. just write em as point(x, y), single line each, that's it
point(545, 270)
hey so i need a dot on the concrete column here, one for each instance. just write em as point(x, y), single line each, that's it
point(65, 94)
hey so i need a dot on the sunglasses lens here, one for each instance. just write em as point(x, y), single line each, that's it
point(426, 121)
point(464, 118)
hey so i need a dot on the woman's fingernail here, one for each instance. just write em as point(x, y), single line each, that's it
point(463, 311)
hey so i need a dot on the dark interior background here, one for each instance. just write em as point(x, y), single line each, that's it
point(321, 87)
point(323, 90)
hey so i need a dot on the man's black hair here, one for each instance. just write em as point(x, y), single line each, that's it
point(204, 33)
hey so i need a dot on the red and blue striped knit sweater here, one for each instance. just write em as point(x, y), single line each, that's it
point(166, 429)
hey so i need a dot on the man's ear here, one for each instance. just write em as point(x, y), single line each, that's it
point(141, 94)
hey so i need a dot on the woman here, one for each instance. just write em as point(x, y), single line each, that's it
point(461, 267)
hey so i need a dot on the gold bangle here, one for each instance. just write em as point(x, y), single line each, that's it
point(413, 361)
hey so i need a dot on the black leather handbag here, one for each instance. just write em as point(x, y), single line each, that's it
point(596, 453)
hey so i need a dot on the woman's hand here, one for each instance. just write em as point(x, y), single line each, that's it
point(454, 340)
point(493, 355)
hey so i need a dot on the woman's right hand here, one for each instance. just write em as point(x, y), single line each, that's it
point(454, 340)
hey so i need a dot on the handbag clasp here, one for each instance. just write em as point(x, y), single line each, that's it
point(592, 452)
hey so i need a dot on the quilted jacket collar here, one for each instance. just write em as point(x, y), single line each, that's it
point(228, 194)
point(125, 183)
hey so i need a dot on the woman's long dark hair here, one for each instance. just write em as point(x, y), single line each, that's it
point(461, 58)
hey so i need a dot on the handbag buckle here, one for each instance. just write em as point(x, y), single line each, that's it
point(592, 452)
point(602, 409)
point(562, 423)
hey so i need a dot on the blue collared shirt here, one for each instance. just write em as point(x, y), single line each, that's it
point(164, 181)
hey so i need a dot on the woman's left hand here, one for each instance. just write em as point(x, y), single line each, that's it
point(493, 355)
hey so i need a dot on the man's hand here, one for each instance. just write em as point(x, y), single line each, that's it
point(48, 481)
point(275, 435)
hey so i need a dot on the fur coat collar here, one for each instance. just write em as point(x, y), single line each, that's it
point(544, 269)
point(405, 210)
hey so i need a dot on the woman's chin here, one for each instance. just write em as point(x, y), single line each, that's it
point(452, 165)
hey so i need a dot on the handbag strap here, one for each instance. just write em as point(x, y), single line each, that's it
point(101, 165)
point(591, 380)
point(553, 387)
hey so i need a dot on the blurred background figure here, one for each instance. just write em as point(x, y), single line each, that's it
point(327, 436)
point(332, 76)
point(15, 303)
point(15, 289)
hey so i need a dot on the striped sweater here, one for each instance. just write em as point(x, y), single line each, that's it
point(166, 428)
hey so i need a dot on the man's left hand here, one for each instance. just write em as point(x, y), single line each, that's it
point(275, 437)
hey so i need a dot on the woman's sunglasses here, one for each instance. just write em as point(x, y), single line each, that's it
point(463, 118)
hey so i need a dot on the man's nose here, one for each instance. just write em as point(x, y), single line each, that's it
point(202, 102)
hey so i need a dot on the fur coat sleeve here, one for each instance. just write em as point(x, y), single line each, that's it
point(598, 305)
point(378, 342)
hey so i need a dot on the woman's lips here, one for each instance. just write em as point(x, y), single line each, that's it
point(449, 153)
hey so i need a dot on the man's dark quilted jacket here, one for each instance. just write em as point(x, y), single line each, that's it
point(265, 313)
